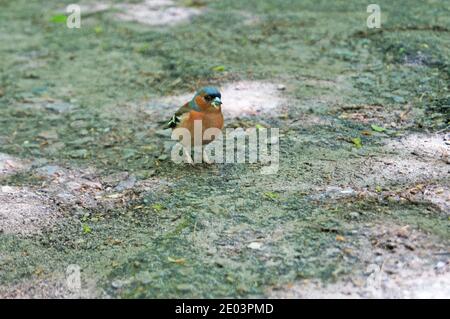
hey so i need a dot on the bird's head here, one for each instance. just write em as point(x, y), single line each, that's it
point(208, 99)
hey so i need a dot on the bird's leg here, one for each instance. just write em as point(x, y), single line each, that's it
point(198, 151)
point(206, 158)
point(187, 157)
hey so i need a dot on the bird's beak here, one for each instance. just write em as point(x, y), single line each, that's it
point(217, 102)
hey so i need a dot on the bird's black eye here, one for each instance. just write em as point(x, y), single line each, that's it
point(208, 97)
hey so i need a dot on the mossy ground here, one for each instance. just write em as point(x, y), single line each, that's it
point(191, 239)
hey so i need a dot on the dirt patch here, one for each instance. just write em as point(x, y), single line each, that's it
point(242, 98)
point(437, 195)
point(420, 285)
point(414, 169)
point(407, 162)
point(71, 188)
point(24, 212)
point(379, 114)
point(426, 146)
point(307, 121)
point(92, 8)
point(252, 98)
point(50, 288)
point(399, 170)
point(84, 189)
point(155, 12)
point(11, 165)
point(421, 165)
point(149, 12)
point(45, 104)
point(399, 262)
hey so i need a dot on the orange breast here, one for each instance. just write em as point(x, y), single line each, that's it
point(208, 119)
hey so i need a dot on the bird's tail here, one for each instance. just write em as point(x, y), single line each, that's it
point(173, 122)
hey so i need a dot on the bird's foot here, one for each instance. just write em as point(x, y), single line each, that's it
point(206, 158)
point(187, 158)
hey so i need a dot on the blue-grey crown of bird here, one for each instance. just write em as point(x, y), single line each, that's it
point(208, 90)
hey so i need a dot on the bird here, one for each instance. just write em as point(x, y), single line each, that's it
point(205, 106)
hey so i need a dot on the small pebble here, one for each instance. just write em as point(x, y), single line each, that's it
point(354, 215)
point(440, 265)
point(255, 245)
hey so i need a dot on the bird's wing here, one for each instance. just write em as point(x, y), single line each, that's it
point(176, 118)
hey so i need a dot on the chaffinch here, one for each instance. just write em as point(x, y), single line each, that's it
point(205, 106)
